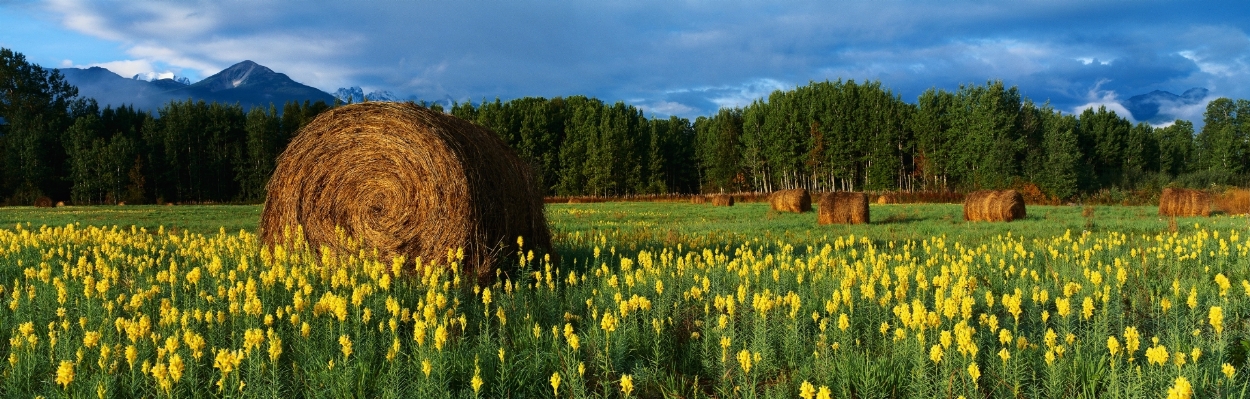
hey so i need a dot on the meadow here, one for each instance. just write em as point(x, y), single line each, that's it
point(640, 300)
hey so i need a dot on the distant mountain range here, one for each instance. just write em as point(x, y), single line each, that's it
point(1160, 106)
point(356, 94)
point(247, 83)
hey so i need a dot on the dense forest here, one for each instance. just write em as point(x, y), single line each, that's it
point(824, 136)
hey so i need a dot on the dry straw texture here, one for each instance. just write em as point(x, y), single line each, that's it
point(722, 200)
point(698, 199)
point(43, 202)
point(1235, 201)
point(797, 201)
point(1184, 202)
point(994, 206)
point(843, 208)
point(408, 181)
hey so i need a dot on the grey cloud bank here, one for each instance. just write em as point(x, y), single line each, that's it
point(690, 58)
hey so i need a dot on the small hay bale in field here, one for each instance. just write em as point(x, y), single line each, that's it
point(43, 202)
point(1184, 202)
point(698, 199)
point(60, 204)
point(722, 200)
point(796, 200)
point(994, 206)
point(407, 181)
point(843, 208)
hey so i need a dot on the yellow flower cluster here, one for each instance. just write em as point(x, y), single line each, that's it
point(87, 304)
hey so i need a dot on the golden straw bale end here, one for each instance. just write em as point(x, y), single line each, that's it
point(407, 181)
point(796, 201)
point(843, 208)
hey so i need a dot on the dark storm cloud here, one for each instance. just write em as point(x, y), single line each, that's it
point(689, 58)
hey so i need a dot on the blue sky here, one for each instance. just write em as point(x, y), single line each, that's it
point(686, 58)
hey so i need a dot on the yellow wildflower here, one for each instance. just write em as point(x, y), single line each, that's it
point(440, 337)
point(806, 390)
point(974, 372)
point(65, 373)
point(744, 360)
point(555, 383)
point(345, 344)
point(1087, 308)
point(1216, 318)
point(476, 381)
point(1132, 340)
point(1181, 389)
point(627, 384)
point(176, 367)
point(935, 353)
point(1063, 306)
point(1157, 355)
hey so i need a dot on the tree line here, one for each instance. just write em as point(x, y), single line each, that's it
point(848, 136)
point(823, 136)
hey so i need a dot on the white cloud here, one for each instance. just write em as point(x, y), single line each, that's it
point(738, 95)
point(1104, 98)
point(667, 108)
point(130, 68)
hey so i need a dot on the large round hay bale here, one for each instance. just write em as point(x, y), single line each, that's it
point(796, 200)
point(1184, 202)
point(43, 202)
point(842, 208)
point(722, 200)
point(994, 206)
point(407, 181)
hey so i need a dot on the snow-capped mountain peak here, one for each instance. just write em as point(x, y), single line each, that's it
point(356, 94)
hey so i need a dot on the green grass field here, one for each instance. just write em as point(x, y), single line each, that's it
point(666, 223)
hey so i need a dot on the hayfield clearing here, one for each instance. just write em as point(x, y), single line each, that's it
point(646, 300)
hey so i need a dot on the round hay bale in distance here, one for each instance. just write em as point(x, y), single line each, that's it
point(43, 202)
point(1184, 202)
point(407, 181)
point(722, 200)
point(842, 208)
point(994, 206)
point(796, 201)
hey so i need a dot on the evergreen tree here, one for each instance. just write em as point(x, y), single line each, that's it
point(1176, 147)
point(1062, 158)
point(34, 106)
